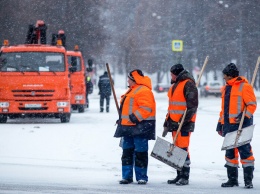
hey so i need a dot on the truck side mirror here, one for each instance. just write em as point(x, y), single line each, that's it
point(73, 69)
point(90, 63)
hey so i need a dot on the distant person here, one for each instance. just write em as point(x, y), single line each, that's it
point(182, 95)
point(237, 95)
point(89, 89)
point(104, 91)
point(136, 125)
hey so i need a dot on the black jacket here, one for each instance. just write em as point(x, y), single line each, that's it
point(89, 87)
point(104, 85)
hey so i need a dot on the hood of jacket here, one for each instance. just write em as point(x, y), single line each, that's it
point(142, 80)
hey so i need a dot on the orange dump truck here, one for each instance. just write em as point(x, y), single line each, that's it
point(77, 80)
point(34, 82)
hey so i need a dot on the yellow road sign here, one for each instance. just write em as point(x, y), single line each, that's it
point(177, 45)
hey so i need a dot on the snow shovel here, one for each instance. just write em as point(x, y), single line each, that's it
point(114, 94)
point(243, 135)
point(175, 156)
point(112, 86)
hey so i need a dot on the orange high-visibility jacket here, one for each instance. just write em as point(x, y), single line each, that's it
point(177, 103)
point(138, 100)
point(242, 94)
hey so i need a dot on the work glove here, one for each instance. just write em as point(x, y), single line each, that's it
point(165, 131)
point(117, 122)
point(238, 118)
point(133, 118)
point(220, 129)
point(175, 125)
point(220, 133)
point(170, 125)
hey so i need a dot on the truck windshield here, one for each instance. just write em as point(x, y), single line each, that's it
point(75, 62)
point(32, 62)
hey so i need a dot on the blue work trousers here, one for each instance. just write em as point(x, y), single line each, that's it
point(135, 156)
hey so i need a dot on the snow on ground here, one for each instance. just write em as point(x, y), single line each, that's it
point(45, 156)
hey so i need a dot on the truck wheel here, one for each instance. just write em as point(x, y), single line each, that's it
point(56, 116)
point(74, 107)
point(65, 118)
point(12, 116)
point(81, 108)
point(3, 118)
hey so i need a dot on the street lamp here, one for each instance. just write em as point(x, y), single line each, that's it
point(158, 17)
point(221, 3)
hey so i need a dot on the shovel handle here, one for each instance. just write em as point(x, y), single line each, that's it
point(202, 70)
point(169, 153)
point(112, 86)
point(114, 94)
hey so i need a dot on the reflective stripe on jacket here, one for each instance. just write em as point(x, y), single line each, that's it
point(138, 100)
point(242, 94)
point(177, 102)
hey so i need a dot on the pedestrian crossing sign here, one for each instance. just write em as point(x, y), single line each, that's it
point(177, 45)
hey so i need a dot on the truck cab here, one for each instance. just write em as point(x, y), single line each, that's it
point(34, 79)
point(77, 80)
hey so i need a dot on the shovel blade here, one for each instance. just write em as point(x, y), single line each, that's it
point(244, 138)
point(176, 160)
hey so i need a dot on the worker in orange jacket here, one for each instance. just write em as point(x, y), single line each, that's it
point(182, 95)
point(136, 125)
point(237, 95)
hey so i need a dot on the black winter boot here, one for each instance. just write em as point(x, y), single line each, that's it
point(173, 181)
point(185, 174)
point(101, 109)
point(232, 173)
point(248, 176)
point(126, 181)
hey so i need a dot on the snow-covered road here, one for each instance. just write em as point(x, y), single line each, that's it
point(45, 156)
